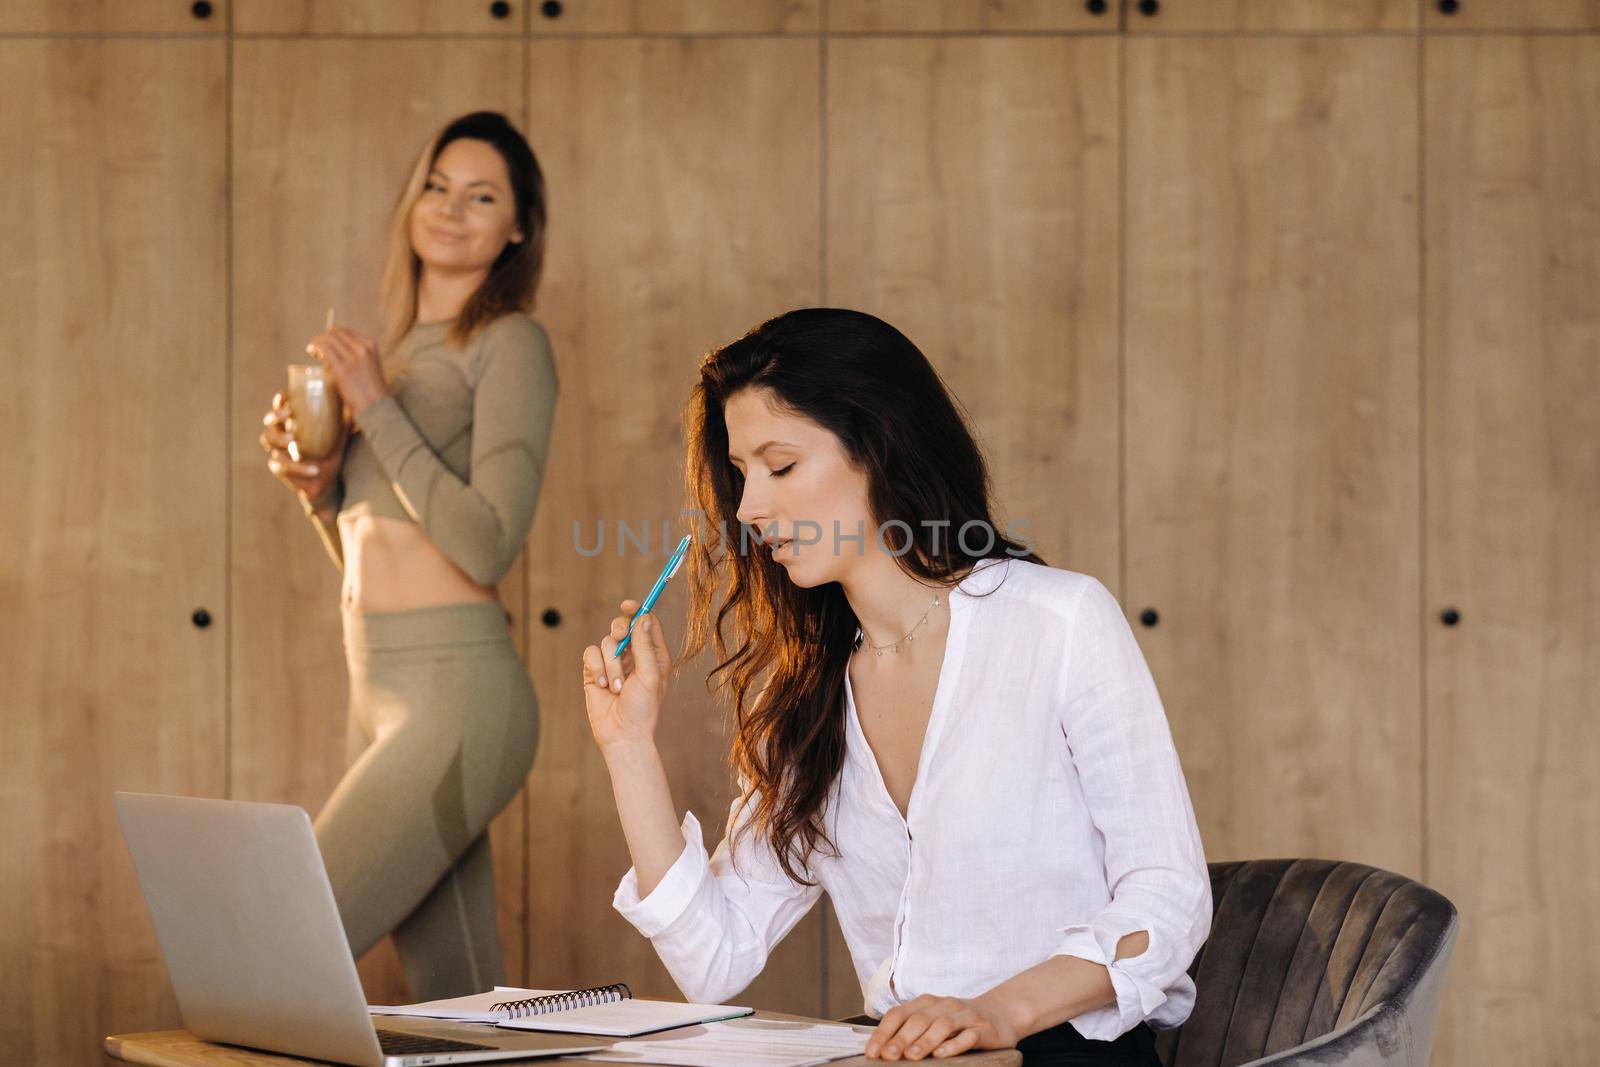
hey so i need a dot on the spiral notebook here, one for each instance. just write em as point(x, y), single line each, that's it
point(609, 1011)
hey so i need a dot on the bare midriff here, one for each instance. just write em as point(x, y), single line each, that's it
point(392, 565)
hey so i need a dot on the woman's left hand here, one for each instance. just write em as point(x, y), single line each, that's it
point(352, 359)
point(942, 1026)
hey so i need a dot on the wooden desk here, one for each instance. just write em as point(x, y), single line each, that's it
point(180, 1048)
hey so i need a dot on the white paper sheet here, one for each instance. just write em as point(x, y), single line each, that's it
point(746, 1043)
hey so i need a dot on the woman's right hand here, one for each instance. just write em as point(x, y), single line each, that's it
point(624, 695)
point(311, 477)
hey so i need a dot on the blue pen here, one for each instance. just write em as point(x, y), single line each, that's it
point(655, 590)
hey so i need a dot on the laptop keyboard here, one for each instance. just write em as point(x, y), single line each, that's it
point(394, 1043)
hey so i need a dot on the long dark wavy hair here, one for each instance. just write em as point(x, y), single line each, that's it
point(784, 661)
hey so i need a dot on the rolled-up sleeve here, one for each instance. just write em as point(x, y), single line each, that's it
point(1155, 867)
point(714, 919)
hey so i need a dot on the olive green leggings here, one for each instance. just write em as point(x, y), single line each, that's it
point(443, 726)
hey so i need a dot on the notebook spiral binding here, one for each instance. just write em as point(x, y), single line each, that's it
point(553, 1002)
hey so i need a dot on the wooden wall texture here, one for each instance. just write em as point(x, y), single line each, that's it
point(1278, 316)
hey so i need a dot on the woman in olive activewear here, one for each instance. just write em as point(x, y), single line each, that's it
point(424, 510)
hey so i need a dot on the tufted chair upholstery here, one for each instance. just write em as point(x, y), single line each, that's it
point(1315, 962)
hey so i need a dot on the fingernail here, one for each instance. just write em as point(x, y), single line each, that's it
point(616, 684)
point(311, 468)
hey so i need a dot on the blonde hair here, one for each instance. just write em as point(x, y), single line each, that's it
point(513, 280)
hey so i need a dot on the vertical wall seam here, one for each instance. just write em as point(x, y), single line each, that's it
point(227, 407)
point(526, 909)
point(1122, 319)
point(1422, 443)
point(824, 992)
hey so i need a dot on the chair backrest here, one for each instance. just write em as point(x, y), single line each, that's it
point(1308, 951)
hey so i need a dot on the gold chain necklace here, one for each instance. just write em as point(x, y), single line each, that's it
point(894, 646)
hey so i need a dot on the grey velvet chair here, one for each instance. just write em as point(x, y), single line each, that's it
point(1315, 962)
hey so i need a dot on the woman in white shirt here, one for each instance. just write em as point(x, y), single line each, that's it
point(961, 746)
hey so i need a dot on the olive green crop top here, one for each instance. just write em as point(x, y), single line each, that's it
point(458, 449)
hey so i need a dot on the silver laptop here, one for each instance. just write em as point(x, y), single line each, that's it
point(255, 949)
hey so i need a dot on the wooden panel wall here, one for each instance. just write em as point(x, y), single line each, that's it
point(1513, 458)
point(363, 17)
point(677, 17)
point(113, 301)
point(1514, 15)
point(1272, 433)
point(1300, 16)
point(1171, 263)
point(993, 246)
point(111, 16)
point(947, 16)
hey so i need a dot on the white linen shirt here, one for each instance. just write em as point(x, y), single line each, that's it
point(1049, 817)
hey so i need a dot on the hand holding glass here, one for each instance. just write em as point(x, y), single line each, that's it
point(318, 412)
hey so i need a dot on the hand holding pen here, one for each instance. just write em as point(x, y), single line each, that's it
point(624, 680)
